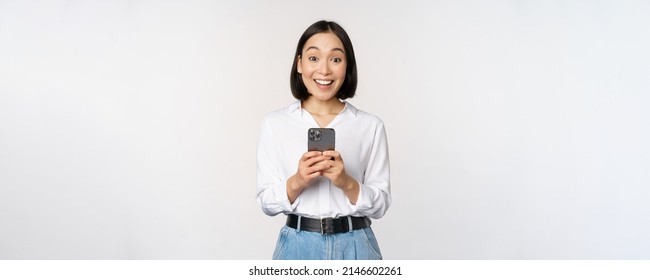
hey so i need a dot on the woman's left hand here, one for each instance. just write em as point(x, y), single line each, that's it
point(338, 177)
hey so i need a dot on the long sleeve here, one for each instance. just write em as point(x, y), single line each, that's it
point(375, 196)
point(271, 186)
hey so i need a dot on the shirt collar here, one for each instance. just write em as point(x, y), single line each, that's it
point(295, 108)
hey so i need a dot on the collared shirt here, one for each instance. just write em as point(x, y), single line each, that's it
point(361, 141)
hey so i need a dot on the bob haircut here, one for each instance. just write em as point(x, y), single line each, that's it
point(349, 85)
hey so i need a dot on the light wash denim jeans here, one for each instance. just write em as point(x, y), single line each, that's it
point(359, 244)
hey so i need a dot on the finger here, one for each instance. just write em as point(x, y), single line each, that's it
point(331, 170)
point(315, 160)
point(332, 163)
point(335, 167)
point(333, 154)
point(329, 174)
point(313, 175)
point(310, 173)
point(309, 155)
point(328, 171)
point(318, 168)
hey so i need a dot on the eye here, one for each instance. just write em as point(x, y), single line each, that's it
point(312, 58)
point(337, 60)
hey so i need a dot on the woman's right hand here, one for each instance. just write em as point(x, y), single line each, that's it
point(310, 167)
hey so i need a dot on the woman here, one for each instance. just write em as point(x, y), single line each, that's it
point(328, 196)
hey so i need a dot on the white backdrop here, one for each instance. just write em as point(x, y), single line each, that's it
point(517, 129)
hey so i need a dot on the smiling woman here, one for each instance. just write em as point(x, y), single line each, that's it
point(328, 203)
point(322, 70)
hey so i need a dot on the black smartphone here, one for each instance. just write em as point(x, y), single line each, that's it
point(320, 139)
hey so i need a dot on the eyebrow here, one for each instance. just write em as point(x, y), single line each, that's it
point(334, 49)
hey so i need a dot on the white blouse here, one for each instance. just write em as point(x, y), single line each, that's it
point(361, 141)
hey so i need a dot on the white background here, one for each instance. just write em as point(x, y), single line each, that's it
point(517, 129)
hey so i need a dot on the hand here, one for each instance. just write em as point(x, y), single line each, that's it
point(310, 167)
point(336, 173)
point(335, 170)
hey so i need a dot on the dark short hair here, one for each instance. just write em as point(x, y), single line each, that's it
point(349, 86)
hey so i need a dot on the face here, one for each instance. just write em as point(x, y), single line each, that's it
point(322, 65)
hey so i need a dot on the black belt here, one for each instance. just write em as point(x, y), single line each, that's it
point(328, 225)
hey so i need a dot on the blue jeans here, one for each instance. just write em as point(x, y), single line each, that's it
point(358, 244)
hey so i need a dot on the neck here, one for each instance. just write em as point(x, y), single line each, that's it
point(322, 107)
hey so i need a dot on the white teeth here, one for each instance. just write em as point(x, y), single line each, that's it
point(323, 82)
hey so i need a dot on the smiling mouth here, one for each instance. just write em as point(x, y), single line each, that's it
point(324, 82)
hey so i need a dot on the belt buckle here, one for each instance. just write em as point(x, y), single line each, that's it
point(327, 226)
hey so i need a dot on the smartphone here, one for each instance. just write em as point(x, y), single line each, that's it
point(320, 139)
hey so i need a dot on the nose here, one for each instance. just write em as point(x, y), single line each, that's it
point(324, 68)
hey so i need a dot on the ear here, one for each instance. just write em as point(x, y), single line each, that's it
point(299, 64)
